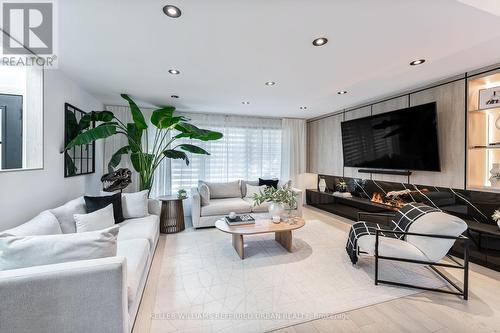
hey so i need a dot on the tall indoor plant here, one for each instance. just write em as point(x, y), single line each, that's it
point(145, 158)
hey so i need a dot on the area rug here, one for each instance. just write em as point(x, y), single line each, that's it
point(205, 287)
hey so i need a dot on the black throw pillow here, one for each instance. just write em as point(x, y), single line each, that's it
point(96, 203)
point(269, 182)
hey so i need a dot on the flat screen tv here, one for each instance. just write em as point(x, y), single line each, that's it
point(405, 139)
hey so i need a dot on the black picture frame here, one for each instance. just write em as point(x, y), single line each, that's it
point(79, 160)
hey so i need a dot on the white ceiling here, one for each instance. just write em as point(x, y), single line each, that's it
point(227, 49)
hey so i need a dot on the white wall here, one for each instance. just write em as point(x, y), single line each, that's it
point(23, 194)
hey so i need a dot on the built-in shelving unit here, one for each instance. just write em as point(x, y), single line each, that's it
point(483, 137)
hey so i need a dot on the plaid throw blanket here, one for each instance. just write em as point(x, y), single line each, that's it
point(401, 222)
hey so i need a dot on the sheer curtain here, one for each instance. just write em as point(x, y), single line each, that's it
point(294, 140)
point(250, 148)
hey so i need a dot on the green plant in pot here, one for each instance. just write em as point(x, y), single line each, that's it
point(342, 186)
point(280, 199)
point(145, 156)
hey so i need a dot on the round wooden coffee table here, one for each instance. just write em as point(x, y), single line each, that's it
point(172, 214)
point(282, 232)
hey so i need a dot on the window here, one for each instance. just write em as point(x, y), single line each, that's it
point(250, 148)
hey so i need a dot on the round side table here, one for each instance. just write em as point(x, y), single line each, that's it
point(172, 214)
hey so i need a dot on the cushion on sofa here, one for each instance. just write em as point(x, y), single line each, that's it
point(262, 208)
point(100, 219)
point(27, 251)
point(64, 214)
point(269, 182)
point(136, 251)
point(223, 190)
point(135, 205)
point(147, 227)
point(244, 187)
point(95, 203)
point(44, 223)
point(390, 247)
point(224, 206)
point(252, 190)
point(204, 193)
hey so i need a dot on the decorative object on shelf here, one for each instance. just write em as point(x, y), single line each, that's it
point(77, 160)
point(232, 215)
point(145, 158)
point(322, 184)
point(496, 217)
point(489, 98)
point(182, 194)
point(342, 194)
point(280, 199)
point(341, 186)
point(117, 180)
point(495, 175)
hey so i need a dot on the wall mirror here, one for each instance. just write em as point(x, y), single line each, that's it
point(78, 160)
point(21, 118)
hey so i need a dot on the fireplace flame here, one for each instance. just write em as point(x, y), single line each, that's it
point(378, 197)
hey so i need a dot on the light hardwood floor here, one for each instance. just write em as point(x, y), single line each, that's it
point(424, 312)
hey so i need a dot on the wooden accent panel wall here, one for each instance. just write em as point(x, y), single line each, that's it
point(325, 146)
point(326, 138)
point(350, 115)
point(450, 100)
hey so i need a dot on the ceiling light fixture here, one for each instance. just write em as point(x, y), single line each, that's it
point(270, 83)
point(342, 92)
point(174, 71)
point(303, 108)
point(174, 96)
point(245, 102)
point(417, 62)
point(320, 41)
point(172, 11)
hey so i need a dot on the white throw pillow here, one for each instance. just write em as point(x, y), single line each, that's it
point(18, 252)
point(224, 190)
point(44, 223)
point(251, 190)
point(135, 205)
point(64, 214)
point(98, 220)
point(204, 194)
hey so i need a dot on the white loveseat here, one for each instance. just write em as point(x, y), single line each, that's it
point(98, 295)
point(230, 197)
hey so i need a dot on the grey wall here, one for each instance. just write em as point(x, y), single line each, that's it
point(24, 194)
point(325, 144)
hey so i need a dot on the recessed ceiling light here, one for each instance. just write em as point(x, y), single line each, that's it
point(174, 96)
point(270, 83)
point(303, 108)
point(245, 102)
point(172, 11)
point(174, 71)
point(320, 41)
point(417, 62)
point(342, 92)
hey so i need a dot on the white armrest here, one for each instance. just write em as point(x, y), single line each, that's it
point(154, 207)
point(79, 296)
point(195, 207)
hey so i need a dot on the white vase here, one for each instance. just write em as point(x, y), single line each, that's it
point(322, 184)
point(276, 209)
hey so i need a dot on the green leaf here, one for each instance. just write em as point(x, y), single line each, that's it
point(69, 164)
point(194, 132)
point(143, 165)
point(72, 128)
point(162, 118)
point(137, 115)
point(134, 137)
point(175, 154)
point(194, 149)
point(117, 157)
point(100, 132)
point(87, 119)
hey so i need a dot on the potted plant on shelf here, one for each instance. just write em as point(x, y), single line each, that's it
point(145, 158)
point(280, 199)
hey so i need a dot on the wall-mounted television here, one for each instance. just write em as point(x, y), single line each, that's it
point(405, 139)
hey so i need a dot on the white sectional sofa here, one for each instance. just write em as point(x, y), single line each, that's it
point(229, 197)
point(98, 295)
